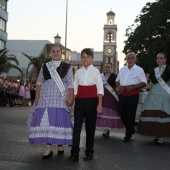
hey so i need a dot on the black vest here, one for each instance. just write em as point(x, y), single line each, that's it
point(165, 75)
point(111, 80)
point(62, 70)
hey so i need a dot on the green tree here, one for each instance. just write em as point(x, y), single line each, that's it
point(37, 63)
point(6, 61)
point(150, 34)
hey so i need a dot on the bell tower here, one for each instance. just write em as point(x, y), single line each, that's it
point(109, 42)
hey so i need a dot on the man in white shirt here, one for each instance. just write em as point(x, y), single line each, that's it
point(129, 81)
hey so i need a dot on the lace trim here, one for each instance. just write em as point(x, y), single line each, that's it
point(56, 63)
point(47, 131)
point(108, 117)
point(71, 86)
point(39, 83)
point(51, 132)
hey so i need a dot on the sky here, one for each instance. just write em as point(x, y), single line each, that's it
point(42, 20)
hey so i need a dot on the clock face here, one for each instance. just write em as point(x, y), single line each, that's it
point(109, 50)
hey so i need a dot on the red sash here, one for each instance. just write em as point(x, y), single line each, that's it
point(87, 91)
point(130, 93)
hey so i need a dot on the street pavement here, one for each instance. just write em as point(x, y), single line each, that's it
point(141, 153)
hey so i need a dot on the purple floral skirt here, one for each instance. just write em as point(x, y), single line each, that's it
point(50, 125)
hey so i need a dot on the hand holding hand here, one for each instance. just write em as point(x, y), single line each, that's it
point(119, 89)
point(99, 108)
point(69, 101)
point(129, 88)
point(36, 102)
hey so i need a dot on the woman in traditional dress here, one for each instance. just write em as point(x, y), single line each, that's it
point(21, 92)
point(51, 123)
point(155, 118)
point(109, 118)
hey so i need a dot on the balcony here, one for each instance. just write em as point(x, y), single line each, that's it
point(3, 35)
point(3, 14)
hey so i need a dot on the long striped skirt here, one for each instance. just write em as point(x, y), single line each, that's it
point(110, 117)
point(155, 117)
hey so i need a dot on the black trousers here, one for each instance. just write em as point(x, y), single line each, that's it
point(127, 109)
point(85, 108)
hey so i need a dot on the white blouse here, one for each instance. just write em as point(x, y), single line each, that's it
point(56, 63)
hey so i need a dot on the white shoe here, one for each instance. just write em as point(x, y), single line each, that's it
point(160, 141)
point(48, 150)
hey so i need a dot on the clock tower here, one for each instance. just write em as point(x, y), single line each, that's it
point(109, 42)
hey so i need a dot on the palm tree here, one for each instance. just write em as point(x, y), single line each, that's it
point(37, 63)
point(5, 61)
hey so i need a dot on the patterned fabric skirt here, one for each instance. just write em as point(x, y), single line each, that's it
point(110, 117)
point(155, 118)
point(50, 125)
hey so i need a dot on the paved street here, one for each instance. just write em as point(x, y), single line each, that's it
point(110, 154)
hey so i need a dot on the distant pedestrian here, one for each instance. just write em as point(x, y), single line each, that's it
point(109, 118)
point(130, 80)
point(27, 95)
point(155, 118)
point(88, 91)
point(21, 92)
point(32, 91)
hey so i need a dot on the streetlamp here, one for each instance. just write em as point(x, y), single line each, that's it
point(66, 31)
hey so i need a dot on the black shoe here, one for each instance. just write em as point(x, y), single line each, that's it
point(60, 150)
point(156, 139)
point(133, 132)
point(126, 139)
point(73, 158)
point(106, 135)
point(88, 157)
point(48, 156)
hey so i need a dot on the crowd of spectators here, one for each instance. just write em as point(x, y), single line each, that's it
point(16, 92)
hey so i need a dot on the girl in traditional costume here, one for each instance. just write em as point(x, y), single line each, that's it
point(155, 118)
point(110, 118)
point(51, 123)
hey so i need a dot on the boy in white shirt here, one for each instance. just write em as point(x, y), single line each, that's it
point(88, 92)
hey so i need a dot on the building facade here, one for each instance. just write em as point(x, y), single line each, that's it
point(76, 63)
point(3, 23)
point(32, 48)
point(37, 47)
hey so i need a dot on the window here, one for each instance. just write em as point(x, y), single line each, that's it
point(2, 24)
point(110, 22)
point(2, 44)
point(110, 37)
point(111, 60)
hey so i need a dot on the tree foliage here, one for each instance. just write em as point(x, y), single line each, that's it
point(37, 63)
point(150, 34)
point(7, 60)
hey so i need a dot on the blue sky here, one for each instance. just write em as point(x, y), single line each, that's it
point(42, 20)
